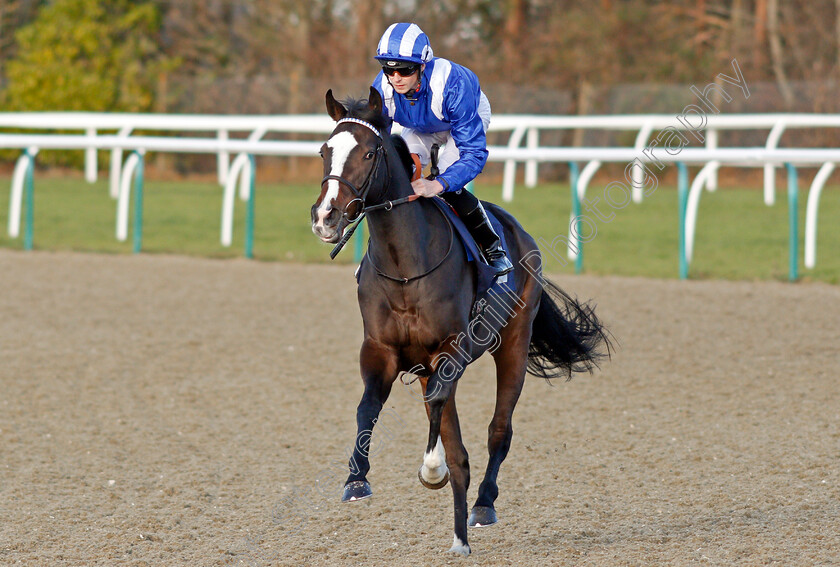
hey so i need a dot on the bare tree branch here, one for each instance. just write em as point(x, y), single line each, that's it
point(776, 52)
point(837, 29)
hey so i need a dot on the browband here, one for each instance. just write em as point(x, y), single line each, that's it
point(370, 126)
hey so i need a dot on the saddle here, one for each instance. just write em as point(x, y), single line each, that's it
point(485, 275)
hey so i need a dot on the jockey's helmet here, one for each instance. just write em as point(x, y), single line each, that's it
point(405, 43)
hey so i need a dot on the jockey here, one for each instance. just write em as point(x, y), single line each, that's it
point(440, 102)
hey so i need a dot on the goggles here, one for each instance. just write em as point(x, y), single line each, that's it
point(404, 71)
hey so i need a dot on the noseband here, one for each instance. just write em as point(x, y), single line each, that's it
point(360, 193)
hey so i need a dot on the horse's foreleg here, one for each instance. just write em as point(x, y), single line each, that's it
point(459, 466)
point(379, 370)
point(446, 457)
point(434, 473)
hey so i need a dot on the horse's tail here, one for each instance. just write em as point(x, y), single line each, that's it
point(566, 336)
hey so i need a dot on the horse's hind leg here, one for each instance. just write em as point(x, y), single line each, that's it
point(379, 370)
point(511, 361)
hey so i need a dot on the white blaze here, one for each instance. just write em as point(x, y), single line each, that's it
point(341, 145)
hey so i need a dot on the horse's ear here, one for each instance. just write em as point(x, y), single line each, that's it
point(375, 101)
point(335, 108)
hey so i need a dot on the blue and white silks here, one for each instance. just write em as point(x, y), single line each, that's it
point(449, 105)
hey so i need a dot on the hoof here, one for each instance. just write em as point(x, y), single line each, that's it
point(356, 490)
point(431, 486)
point(482, 516)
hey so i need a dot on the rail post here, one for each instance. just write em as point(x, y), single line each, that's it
point(28, 234)
point(359, 249)
point(133, 166)
point(811, 213)
point(793, 218)
point(682, 191)
point(573, 183)
point(138, 203)
point(249, 221)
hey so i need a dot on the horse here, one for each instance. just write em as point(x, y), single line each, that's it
point(416, 293)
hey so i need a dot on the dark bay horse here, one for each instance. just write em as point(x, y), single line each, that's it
point(417, 299)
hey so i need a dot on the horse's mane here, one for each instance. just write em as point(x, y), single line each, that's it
point(359, 108)
point(403, 153)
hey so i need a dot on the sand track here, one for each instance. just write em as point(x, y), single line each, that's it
point(160, 410)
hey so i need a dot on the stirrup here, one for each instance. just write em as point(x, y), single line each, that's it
point(488, 241)
point(498, 259)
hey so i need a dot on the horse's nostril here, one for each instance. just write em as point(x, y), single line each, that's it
point(332, 217)
point(323, 214)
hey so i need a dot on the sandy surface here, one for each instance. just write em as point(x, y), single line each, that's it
point(177, 411)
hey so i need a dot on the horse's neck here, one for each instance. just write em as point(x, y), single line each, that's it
point(405, 240)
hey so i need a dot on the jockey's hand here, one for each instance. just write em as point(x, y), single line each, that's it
point(426, 188)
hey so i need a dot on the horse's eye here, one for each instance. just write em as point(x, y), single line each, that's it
point(369, 155)
point(321, 153)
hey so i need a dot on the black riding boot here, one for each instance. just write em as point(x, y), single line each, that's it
point(475, 218)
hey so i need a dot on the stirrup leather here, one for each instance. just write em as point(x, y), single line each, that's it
point(418, 169)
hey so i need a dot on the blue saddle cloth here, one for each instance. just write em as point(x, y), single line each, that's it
point(484, 273)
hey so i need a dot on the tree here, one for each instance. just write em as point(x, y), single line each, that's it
point(94, 55)
point(514, 27)
point(13, 14)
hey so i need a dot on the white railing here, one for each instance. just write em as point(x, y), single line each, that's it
point(521, 127)
point(220, 126)
point(645, 125)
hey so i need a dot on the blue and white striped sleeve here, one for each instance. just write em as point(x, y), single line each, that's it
point(461, 100)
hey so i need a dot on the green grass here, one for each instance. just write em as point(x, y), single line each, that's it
point(738, 237)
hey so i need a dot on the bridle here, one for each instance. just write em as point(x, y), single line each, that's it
point(361, 193)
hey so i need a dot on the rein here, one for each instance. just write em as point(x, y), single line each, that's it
point(387, 205)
